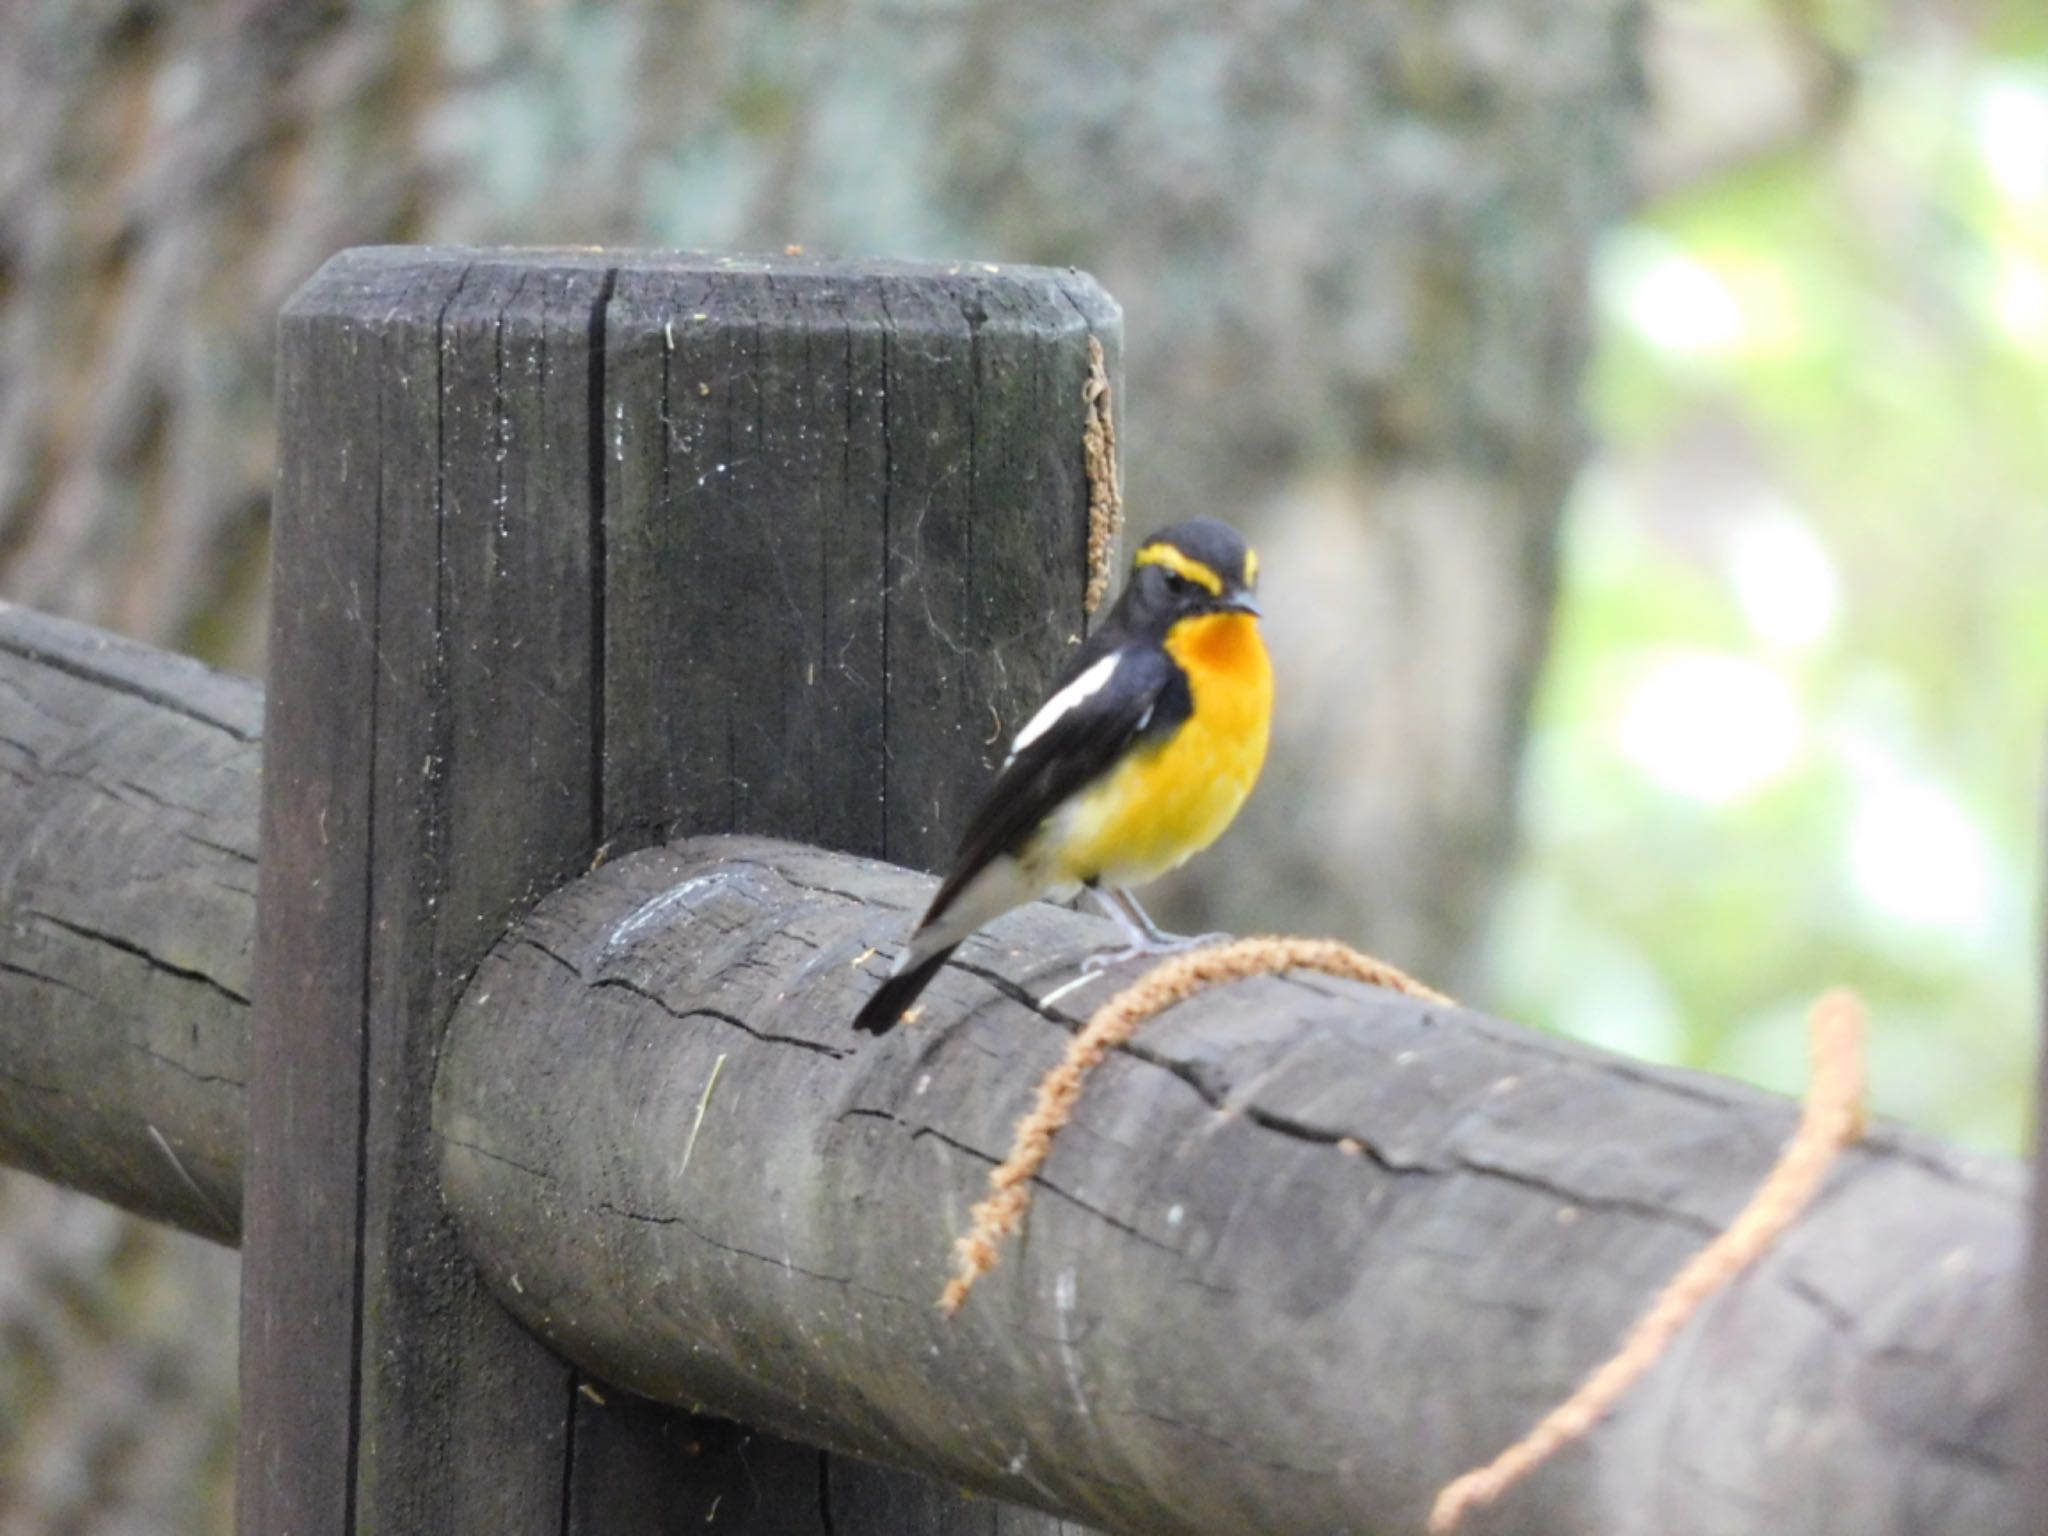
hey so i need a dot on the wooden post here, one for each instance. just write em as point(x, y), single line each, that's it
point(574, 551)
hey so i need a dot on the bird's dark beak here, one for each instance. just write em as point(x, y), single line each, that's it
point(1243, 601)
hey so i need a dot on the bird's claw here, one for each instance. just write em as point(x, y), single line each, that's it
point(1103, 959)
point(1146, 949)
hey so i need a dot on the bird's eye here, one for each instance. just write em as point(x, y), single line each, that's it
point(1178, 584)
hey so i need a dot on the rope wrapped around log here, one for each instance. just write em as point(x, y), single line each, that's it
point(1307, 1249)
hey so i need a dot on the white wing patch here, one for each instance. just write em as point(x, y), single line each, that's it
point(1078, 692)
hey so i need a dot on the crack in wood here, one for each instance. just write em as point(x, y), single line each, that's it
point(1366, 1145)
point(193, 1073)
point(114, 683)
point(13, 968)
point(129, 947)
point(767, 1037)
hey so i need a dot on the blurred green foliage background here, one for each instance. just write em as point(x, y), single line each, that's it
point(1791, 729)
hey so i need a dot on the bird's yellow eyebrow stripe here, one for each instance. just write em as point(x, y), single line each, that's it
point(1181, 565)
point(1251, 567)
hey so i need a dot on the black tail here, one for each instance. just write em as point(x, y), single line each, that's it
point(885, 1008)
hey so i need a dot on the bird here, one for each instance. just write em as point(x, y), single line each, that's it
point(1147, 748)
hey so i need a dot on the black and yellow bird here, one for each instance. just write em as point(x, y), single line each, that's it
point(1139, 760)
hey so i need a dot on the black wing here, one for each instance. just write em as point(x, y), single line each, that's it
point(1145, 695)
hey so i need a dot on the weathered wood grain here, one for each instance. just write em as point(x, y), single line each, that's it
point(842, 552)
point(576, 550)
point(428, 772)
point(302, 1236)
point(482, 731)
point(844, 538)
point(128, 783)
point(1217, 1321)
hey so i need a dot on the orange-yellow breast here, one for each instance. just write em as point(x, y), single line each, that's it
point(1173, 799)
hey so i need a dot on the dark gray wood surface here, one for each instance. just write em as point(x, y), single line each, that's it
point(842, 554)
point(844, 536)
point(1217, 1321)
point(576, 550)
point(412, 803)
point(128, 781)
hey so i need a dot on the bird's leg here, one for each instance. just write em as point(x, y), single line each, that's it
point(1144, 936)
point(1137, 921)
point(1156, 935)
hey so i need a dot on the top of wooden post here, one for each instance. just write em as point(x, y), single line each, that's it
point(337, 287)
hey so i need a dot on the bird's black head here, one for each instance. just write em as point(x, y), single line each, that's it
point(1196, 567)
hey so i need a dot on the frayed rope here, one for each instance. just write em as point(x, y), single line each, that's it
point(1105, 481)
point(1173, 980)
point(1833, 1119)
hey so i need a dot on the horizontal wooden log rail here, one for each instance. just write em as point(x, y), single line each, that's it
point(1308, 1250)
point(128, 795)
point(1218, 1321)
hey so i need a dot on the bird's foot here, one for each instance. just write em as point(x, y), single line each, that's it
point(1150, 948)
point(1103, 959)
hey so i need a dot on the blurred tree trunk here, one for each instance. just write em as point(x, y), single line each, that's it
point(1352, 239)
point(167, 175)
